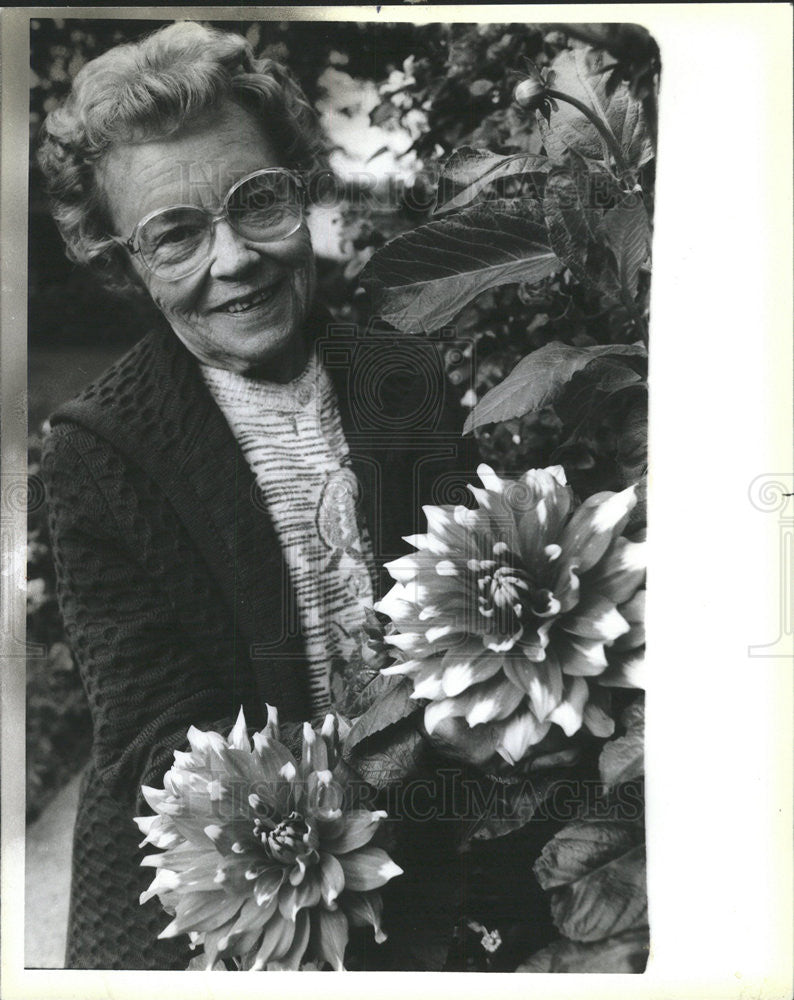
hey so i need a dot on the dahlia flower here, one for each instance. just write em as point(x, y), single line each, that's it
point(508, 615)
point(261, 861)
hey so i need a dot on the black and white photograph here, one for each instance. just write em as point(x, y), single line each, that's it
point(340, 340)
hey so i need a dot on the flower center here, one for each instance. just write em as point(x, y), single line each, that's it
point(506, 595)
point(286, 840)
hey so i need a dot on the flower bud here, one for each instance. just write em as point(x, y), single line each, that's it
point(530, 93)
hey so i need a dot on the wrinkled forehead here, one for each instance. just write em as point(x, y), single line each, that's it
point(196, 165)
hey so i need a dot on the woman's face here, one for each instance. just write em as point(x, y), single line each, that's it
point(244, 310)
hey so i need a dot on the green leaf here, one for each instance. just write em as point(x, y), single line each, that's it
point(623, 759)
point(627, 231)
point(538, 380)
point(595, 870)
point(577, 72)
point(468, 171)
point(626, 953)
point(567, 221)
point(388, 756)
point(423, 279)
point(390, 706)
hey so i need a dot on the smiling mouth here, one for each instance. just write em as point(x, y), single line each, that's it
point(249, 302)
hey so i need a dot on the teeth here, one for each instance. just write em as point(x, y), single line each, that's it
point(254, 300)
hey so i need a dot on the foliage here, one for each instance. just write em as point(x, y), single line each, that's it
point(562, 206)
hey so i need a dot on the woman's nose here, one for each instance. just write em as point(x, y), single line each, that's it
point(231, 253)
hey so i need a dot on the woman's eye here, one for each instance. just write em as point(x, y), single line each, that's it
point(178, 234)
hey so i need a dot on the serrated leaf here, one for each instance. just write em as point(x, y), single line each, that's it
point(506, 808)
point(622, 953)
point(569, 128)
point(361, 698)
point(390, 706)
point(567, 221)
point(597, 386)
point(388, 756)
point(538, 379)
point(602, 272)
point(623, 759)
point(595, 870)
point(468, 171)
point(627, 230)
point(423, 279)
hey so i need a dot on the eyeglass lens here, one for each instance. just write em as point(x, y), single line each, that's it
point(263, 208)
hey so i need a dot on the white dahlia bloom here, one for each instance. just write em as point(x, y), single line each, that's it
point(507, 615)
point(261, 860)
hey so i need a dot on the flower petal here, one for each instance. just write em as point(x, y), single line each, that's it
point(633, 639)
point(407, 668)
point(452, 526)
point(288, 959)
point(329, 937)
point(579, 657)
point(427, 680)
point(521, 731)
point(621, 571)
point(202, 911)
point(241, 935)
point(546, 513)
point(437, 711)
point(368, 868)
point(268, 884)
point(395, 605)
point(314, 756)
point(364, 908)
point(465, 664)
point(634, 610)
point(292, 898)
point(489, 478)
point(495, 699)
point(238, 737)
point(332, 879)
point(276, 939)
point(568, 714)
point(597, 720)
point(202, 742)
point(626, 670)
point(595, 617)
point(360, 827)
point(541, 681)
point(428, 543)
point(593, 526)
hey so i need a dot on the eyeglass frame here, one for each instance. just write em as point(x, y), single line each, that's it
point(129, 242)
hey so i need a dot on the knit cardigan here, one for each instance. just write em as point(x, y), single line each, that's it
point(174, 593)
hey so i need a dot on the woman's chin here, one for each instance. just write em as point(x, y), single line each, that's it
point(276, 352)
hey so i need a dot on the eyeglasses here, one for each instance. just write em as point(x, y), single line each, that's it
point(263, 207)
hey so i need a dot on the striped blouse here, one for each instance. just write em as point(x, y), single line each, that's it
point(291, 435)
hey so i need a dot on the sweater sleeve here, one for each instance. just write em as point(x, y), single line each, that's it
point(146, 677)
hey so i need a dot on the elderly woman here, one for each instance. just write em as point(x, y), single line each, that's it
point(209, 549)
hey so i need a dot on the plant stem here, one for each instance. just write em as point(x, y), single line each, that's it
point(604, 130)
